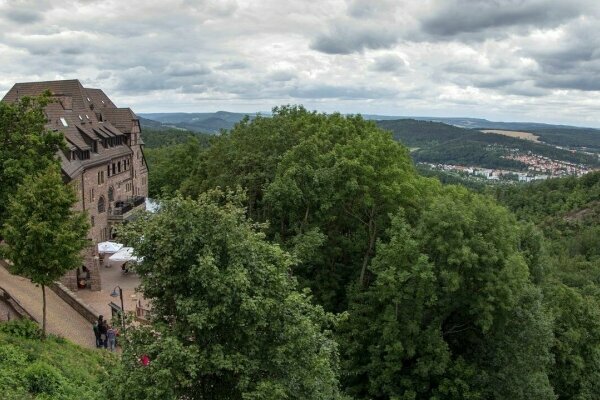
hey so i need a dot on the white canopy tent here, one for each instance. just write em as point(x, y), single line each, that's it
point(109, 247)
point(123, 255)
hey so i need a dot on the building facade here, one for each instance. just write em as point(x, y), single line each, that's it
point(104, 160)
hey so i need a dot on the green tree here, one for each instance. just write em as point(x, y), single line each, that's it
point(451, 313)
point(227, 321)
point(43, 236)
point(26, 147)
point(326, 185)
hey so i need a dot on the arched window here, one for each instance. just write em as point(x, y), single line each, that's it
point(101, 205)
point(111, 194)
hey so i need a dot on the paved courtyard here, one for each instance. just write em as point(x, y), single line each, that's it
point(110, 278)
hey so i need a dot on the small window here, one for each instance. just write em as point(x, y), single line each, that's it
point(101, 205)
point(93, 221)
point(111, 194)
point(64, 121)
point(80, 117)
point(88, 99)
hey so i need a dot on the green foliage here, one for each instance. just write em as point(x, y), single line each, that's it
point(567, 212)
point(173, 168)
point(162, 137)
point(51, 369)
point(43, 235)
point(23, 328)
point(451, 312)
point(41, 378)
point(441, 143)
point(227, 320)
point(325, 184)
point(26, 147)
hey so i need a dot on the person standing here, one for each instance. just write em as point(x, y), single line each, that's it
point(111, 335)
point(102, 328)
point(96, 328)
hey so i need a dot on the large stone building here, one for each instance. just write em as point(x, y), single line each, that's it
point(104, 161)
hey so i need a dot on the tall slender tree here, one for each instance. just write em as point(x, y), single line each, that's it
point(26, 146)
point(43, 235)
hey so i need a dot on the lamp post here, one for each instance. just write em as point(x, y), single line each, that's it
point(114, 294)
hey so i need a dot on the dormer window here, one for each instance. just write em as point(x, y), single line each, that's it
point(88, 99)
point(80, 118)
point(87, 117)
point(64, 121)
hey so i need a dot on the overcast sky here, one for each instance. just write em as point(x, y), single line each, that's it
point(519, 60)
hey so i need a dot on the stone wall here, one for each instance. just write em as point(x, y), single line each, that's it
point(71, 299)
point(11, 308)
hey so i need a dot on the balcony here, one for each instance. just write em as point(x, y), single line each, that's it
point(123, 210)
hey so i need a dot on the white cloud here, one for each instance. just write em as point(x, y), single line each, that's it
point(503, 59)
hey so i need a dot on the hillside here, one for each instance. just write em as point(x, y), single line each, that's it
point(197, 122)
point(436, 142)
point(51, 369)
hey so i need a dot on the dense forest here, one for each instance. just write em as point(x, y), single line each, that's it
point(303, 256)
point(430, 291)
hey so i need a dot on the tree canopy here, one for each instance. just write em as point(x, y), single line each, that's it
point(26, 147)
point(43, 235)
point(228, 321)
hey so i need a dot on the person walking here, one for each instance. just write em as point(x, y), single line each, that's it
point(111, 335)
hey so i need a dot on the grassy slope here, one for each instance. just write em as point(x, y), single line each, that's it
point(52, 369)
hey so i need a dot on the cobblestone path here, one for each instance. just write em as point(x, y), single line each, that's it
point(62, 319)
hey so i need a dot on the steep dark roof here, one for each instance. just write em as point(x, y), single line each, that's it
point(84, 116)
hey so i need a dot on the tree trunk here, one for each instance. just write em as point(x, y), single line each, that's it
point(44, 312)
point(372, 238)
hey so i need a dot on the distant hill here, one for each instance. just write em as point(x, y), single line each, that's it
point(436, 142)
point(198, 122)
point(558, 135)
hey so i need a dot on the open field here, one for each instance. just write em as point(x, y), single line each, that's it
point(515, 134)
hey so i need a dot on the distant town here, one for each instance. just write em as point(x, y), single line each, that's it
point(538, 168)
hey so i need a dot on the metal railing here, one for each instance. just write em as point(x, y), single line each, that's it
point(123, 207)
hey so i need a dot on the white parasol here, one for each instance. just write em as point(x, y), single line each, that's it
point(109, 247)
point(123, 255)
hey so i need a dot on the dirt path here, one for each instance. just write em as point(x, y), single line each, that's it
point(62, 319)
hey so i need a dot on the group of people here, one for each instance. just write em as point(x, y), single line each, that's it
point(106, 335)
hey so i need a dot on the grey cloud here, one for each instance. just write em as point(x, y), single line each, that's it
point(347, 38)
point(180, 69)
point(389, 63)
point(282, 76)
point(234, 65)
point(103, 75)
point(369, 8)
point(340, 92)
point(455, 17)
point(22, 16)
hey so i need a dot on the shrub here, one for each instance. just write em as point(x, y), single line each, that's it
point(42, 378)
point(21, 328)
